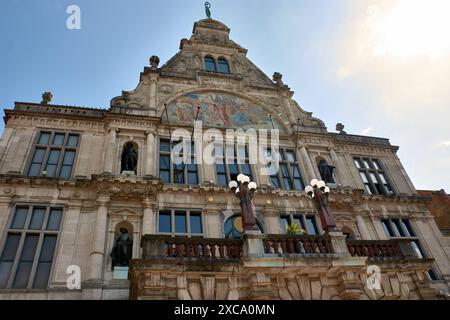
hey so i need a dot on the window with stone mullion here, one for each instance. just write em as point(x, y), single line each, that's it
point(28, 252)
point(373, 176)
point(182, 173)
point(288, 177)
point(54, 153)
point(228, 166)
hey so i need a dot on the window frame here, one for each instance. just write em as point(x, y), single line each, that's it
point(375, 170)
point(48, 148)
point(187, 214)
point(290, 165)
point(186, 171)
point(226, 162)
point(303, 218)
point(23, 233)
point(214, 62)
point(226, 63)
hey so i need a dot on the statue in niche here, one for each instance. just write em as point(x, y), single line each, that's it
point(326, 171)
point(129, 158)
point(122, 250)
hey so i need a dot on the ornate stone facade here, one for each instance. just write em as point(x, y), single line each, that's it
point(97, 198)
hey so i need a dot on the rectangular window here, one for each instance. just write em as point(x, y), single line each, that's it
point(288, 176)
point(180, 222)
point(373, 176)
point(54, 155)
point(234, 162)
point(305, 222)
point(30, 245)
point(179, 173)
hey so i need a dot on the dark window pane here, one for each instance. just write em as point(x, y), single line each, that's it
point(311, 225)
point(296, 172)
point(221, 179)
point(192, 178)
point(26, 262)
point(37, 218)
point(42, 275)
point(395, 229)
point(233, 168)
point(43, 138)
point(164, 162)
point(29, 247)
point(210, 64)
point(180, 222)
point(48, 248)
point(73, 140)
point(416, 247)
point(220, 168)
point(165, 221)
point(298, 184)
point(68, 157)
point(246, 169)
point(51, 169)
point(66, 171)
point(10, 249)
point(223, 66)
point(22, 275)
point(19, 219)
point(387, 228)
point(409, 227)
point(284, 222)
point(298, 221)
point(398, 228)
point(39, 155)
point(287, 184)
point(357, 163)
point(58, 139)
point(290, 156)
point(284, 171)
point(164, 145)
point(196, 222)
point(275, 182)
point(54, 156)
point(165, 176)
point(54, 219)
point(35, 170)
point(5, 269)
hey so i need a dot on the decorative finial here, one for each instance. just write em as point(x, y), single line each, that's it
point(340, 128)
point(208, 12)
point(46, 97)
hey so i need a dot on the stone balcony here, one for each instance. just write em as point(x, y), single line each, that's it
point(260, 266)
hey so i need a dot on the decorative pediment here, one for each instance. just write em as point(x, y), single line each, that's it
point(124, 212)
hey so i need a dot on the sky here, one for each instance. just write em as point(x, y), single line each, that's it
point(380, 67)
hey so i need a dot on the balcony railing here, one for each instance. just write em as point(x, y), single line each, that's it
point(178, 247)
point(302, 244)
point(394, 249)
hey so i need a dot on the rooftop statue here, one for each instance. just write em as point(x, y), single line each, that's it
point(208, 12)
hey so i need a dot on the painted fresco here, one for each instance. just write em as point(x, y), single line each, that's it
point(219, 110)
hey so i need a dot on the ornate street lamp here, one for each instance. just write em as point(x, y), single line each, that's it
point(244, 189)
point(318, 191)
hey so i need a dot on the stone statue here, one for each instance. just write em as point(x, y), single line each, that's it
point(46, 97)
point(154, 61)
point(208, 12)
point(277, 78)
point(340, 128)
point(326, 171)
point(129, 158)
point(122, 250)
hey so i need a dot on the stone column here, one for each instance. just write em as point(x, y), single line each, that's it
point(5, 206)
point(149, 216)
point(308, 165)
point(109, 152)
point(362, 228)
point(99, 239)
point(150, 150)
point(340, 173)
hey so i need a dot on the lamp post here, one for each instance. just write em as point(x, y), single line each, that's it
point(318, 191)
point(244, 189)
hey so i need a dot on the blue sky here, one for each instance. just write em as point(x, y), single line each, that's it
point(381, 67)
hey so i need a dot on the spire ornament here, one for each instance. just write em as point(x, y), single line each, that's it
point(208, 12)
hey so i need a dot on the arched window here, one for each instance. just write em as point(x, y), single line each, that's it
point(222, 66)
point(233, 227)
point(210, 64)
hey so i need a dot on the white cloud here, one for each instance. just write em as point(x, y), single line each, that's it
point(366, 131)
